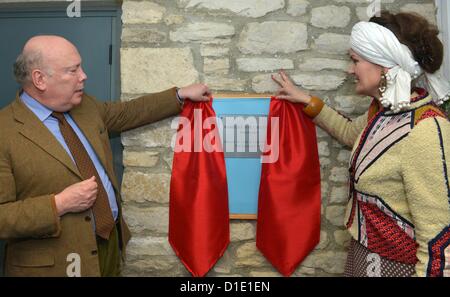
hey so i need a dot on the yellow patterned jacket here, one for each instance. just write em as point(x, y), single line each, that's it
point(399, 198)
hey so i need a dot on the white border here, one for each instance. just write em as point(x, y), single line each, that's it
point(443, 22)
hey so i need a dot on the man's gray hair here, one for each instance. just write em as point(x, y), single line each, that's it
point(24, 64)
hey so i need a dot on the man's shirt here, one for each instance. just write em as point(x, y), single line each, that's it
point(44, 115)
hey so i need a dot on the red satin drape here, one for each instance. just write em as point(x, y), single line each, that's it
point(198, 214)
point(289, 196)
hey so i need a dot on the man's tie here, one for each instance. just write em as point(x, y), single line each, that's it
point(104, 221)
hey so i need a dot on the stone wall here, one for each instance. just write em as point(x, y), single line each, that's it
point(234, 46)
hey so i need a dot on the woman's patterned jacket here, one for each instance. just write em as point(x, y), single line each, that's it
point(399, 198)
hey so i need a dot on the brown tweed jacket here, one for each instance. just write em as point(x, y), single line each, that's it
point(34, 167)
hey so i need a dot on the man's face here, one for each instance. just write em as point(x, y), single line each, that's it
point(64, 80)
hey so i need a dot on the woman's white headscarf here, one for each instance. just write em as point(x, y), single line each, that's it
point(380, 46)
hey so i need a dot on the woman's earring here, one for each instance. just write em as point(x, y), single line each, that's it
point(383, 84)
point(382, 88)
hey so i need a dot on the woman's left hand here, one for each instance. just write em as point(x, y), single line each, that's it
point(289, 91)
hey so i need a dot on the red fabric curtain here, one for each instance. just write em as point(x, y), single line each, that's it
point(289, 196)
point(198, 216)
point(288, 226)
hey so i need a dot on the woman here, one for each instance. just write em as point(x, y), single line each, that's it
point(399, 203)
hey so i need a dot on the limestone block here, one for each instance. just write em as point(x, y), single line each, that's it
point(324, 189)
point(248, 8)
point(242, 231)
point(364, 1)
point(344, 156)
point(153, 219)
point(149, 70)
point(225, 84)
point(297, 7)
point(140, 186)
point(342, 237)
point(324, 240)
point(339, 174)
point(330, 261)
point(339, 195)
point(216, 66)
point(273, 37)
point(144, 246)
point(321, 133)
point(319, 64)
point(323, 149)
point(263, 64)
point(154, 266)
point(265, 273)
point(202, 31)
point(158, 134)
point(331, 43)
point(248, 255)
point(140, 158)
point(213, 51)
point(143, 35)
point(335, 214)
point(319, 81)
point(141, 12)
point(264, 84)
point(330, 16)
point(173, 19)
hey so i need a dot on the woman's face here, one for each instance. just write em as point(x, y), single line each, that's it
point(367, 75)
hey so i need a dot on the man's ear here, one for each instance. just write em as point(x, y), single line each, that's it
point(39, 79)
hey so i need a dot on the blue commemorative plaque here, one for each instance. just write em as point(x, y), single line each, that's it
point(242, 127)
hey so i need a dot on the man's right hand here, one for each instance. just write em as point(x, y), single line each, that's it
point(77, 197)
point(195, 92)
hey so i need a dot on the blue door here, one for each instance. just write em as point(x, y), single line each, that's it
point(95, 34)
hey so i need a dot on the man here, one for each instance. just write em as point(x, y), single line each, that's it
point(59, 198)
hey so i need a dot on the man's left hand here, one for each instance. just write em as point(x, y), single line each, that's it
point(195, 92)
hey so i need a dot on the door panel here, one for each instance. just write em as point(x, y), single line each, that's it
point(92, 37)
point(95, 36)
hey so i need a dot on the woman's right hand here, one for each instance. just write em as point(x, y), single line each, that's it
point(289, 91)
